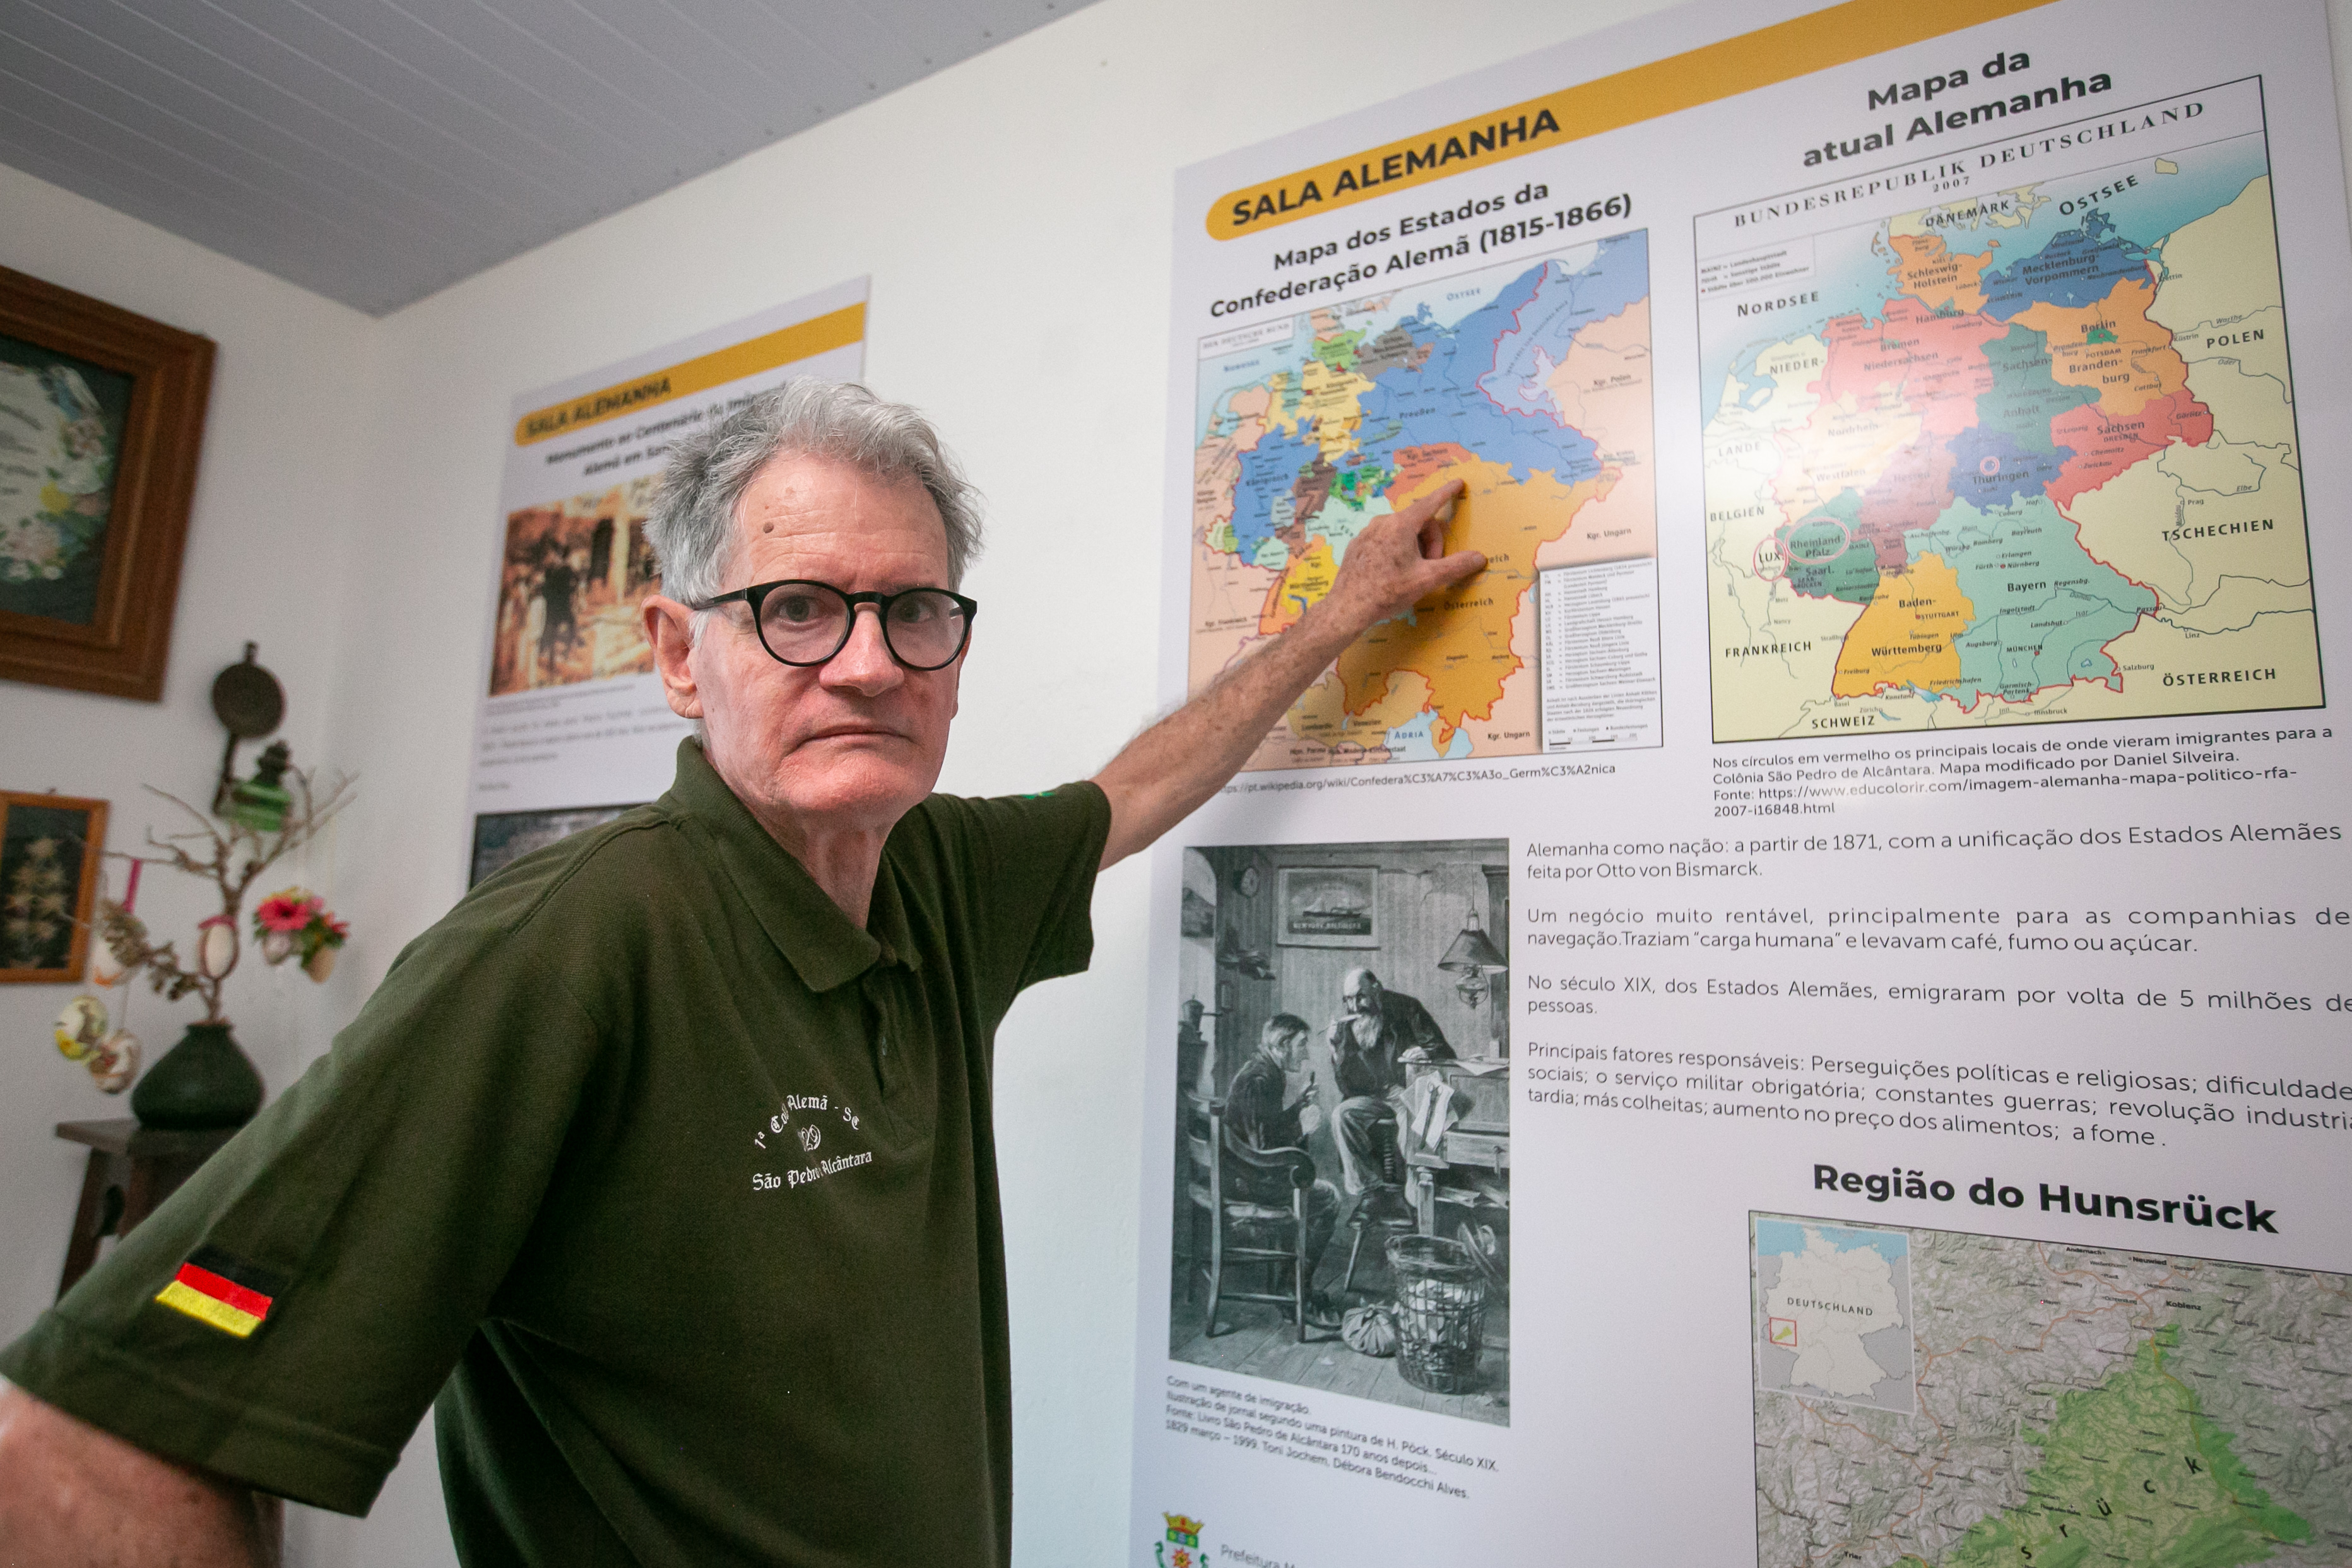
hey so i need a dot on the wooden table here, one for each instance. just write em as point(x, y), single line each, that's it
point(132, 1169)
point(1457, 1150)
point(1480, 1141)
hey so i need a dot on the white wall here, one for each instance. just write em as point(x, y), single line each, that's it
point(1014, 214)
point(272, 523)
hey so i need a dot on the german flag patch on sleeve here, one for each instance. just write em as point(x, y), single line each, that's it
point(228, 1293)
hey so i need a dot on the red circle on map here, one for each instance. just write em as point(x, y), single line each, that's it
point(1845, 538)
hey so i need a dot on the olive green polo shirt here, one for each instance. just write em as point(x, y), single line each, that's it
point(676, 1187)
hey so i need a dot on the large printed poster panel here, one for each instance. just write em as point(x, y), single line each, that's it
point(1850, 1143)
point(571, 713)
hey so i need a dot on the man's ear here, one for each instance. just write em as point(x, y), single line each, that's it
point(669, 629)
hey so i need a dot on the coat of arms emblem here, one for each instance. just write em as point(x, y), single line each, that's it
point(1182, 1547)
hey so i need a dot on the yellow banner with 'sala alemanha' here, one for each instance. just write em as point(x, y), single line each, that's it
point(802, 340)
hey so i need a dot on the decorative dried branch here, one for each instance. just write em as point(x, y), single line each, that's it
point(230, 856)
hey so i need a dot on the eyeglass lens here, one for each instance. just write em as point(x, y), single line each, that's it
point(807, 624)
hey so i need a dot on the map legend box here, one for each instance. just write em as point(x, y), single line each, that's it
point(1599, 639)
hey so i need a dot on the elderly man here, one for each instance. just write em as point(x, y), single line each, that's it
point(664, 1160)
point(1378, 1032)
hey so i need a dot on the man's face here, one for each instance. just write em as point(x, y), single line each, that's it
point(1362, 996)
point(1288, 1050)
point(852, 744)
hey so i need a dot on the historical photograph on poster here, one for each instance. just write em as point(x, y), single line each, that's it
point(1530, 383)
point(1343, 1133)
point(1935, 1396)
point(501, 837)
point(2025, 456)
point(571, 580)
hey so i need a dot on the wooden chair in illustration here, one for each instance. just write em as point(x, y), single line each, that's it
point(1240, 1229)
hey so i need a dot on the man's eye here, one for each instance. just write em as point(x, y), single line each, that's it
point(915, 611)
point(797, 608)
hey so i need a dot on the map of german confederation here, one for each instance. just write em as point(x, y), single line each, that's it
point(1529, 382)
point(2024, 453)
point(1938, 1399)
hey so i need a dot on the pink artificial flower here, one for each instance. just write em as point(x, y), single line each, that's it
point(289, 911)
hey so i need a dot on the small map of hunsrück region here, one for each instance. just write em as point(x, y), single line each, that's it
point(2028, 455)
point(2074, 1405)
point(1529, 382)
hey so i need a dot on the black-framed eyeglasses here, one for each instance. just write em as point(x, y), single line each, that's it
point(803, 622)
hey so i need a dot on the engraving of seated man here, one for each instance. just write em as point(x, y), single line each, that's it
point(1378, 1036)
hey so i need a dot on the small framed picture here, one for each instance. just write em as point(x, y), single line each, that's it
point(49, 849)
point(1328, 906)
point(102, 414)
point(501, 837)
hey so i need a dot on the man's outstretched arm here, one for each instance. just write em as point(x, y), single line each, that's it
point(1165, 773)
point(74, 1495)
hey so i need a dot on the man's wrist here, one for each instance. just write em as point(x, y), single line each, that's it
point(1321, 628)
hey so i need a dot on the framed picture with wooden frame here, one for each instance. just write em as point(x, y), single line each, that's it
point(1327, 906)
point(101, 414)
point(49, 850)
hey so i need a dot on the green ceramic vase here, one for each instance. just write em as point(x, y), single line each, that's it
point(202, 1082)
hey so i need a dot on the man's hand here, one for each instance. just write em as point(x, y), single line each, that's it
point(1165, 773)
point(74, 1495)
point(1395, 563)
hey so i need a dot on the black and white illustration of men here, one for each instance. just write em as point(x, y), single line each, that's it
point(1343, 1124)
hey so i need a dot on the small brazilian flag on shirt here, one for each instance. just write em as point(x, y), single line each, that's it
point(228, 1293)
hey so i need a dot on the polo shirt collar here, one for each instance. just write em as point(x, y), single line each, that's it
point(805, 924)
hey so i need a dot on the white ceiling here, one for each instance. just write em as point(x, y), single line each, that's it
point(375, 150)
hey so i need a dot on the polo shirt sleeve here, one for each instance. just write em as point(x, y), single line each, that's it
point(1024, 868)
point(287, 1317)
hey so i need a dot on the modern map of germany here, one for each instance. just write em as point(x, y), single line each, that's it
point(2025, 456)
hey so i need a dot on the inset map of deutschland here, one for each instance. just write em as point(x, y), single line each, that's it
point(2023, 455)
point(1529, 382)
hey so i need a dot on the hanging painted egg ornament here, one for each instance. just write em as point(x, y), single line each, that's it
point(81, 1027)
point(216, 946)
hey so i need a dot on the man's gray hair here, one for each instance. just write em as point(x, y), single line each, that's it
point(692, 529)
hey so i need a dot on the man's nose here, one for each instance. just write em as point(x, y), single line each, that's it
point(865, 664)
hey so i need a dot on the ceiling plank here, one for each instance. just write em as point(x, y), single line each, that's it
point(377, 151)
